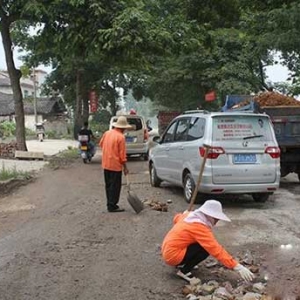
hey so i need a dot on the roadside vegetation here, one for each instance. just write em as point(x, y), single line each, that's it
point(8, 130)
point(70, 153)
point(7, 174)
point(63, 158)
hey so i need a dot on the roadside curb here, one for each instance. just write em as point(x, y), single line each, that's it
point(10, 185)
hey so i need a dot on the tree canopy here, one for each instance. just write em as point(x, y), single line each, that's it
point(172, 52)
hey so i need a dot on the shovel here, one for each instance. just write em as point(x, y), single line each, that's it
point(195, 192)
point(133, 199)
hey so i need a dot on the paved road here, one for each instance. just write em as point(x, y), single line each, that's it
point(48, 147)
point(58, 242)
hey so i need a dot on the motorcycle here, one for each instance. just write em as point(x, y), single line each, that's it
point(40, 131)
point(86, 152)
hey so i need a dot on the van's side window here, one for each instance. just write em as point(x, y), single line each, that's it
point(182, 130)
point(169, 135)
point(196, 129)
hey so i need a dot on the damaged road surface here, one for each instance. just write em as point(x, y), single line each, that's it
point(58, 242)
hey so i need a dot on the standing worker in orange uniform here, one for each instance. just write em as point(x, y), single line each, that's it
point(114, 162)
point(191, 241)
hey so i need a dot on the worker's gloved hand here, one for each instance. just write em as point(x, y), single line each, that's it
point(245, 273)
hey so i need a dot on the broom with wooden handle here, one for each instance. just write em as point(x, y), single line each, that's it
point(195, 192)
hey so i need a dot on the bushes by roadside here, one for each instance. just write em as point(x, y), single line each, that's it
point(7, 129)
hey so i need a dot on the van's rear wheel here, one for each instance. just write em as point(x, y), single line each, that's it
point(154, 179)
point(284, 171)
point(260, 197)
point(188, 187)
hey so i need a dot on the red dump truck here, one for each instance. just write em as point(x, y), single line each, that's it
point(164, 118)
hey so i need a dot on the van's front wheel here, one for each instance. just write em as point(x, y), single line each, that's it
point(260, 197)
point(188, 187)
point(154, 179)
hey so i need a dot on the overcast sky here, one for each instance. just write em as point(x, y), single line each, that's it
point(276, 73)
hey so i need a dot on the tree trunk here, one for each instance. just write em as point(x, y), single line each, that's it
point(262, 77)
point(14, 75)
point(78, 106)
point(85, 113)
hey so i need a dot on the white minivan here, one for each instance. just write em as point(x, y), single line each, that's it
point(244, 157)
point(137, 137)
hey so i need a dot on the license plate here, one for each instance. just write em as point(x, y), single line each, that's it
point(84, 148)
point(129, 139)
point(244, 158)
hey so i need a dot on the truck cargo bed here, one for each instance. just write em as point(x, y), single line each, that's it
point(281, 110)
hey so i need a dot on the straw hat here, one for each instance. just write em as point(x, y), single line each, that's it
point(121, 123)
point(213, 208)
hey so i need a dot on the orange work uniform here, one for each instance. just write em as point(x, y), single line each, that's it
point(183, 234)
point(113, 150)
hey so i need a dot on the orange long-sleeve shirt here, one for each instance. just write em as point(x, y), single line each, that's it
point(113, 150)
point(183, 234)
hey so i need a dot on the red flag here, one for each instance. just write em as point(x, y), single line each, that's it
point(93, 97)
point(211, 96)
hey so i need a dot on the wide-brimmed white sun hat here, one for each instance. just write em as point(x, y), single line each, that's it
point(121, 123)
point(213, 208)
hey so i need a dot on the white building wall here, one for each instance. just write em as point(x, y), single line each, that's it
point(30, 121)
point(27, 84)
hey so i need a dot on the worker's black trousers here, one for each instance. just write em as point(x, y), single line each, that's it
point(193, 256)
point(113, 183)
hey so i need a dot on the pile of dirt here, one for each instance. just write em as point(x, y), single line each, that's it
point(275, 99)
point(157, 205)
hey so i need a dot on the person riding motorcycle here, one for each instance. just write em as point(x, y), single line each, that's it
point(88, 132)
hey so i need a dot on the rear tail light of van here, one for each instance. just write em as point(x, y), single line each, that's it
point(146, 135)
point(213, 152)
point(274, 152)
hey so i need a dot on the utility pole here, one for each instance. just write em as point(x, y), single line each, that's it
point(34, 97)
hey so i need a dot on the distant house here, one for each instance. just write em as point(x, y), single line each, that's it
point(50, 110)
point(27, 84)
point(6, 107)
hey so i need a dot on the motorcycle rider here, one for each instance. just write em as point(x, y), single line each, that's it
point(86, 131)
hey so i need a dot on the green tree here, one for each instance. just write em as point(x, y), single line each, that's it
point(99, 38)
point(10, 13)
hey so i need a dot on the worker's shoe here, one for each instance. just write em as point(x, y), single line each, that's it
point(180, 267)
point(186, 276)
point(116, 210)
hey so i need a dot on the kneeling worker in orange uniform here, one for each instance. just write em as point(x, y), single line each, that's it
point(191, 241)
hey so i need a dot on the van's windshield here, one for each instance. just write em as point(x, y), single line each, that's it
point(244, 127)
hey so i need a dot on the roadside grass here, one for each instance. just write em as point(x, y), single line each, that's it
point(6, 174)
point(70, 153)
point(63, 158)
